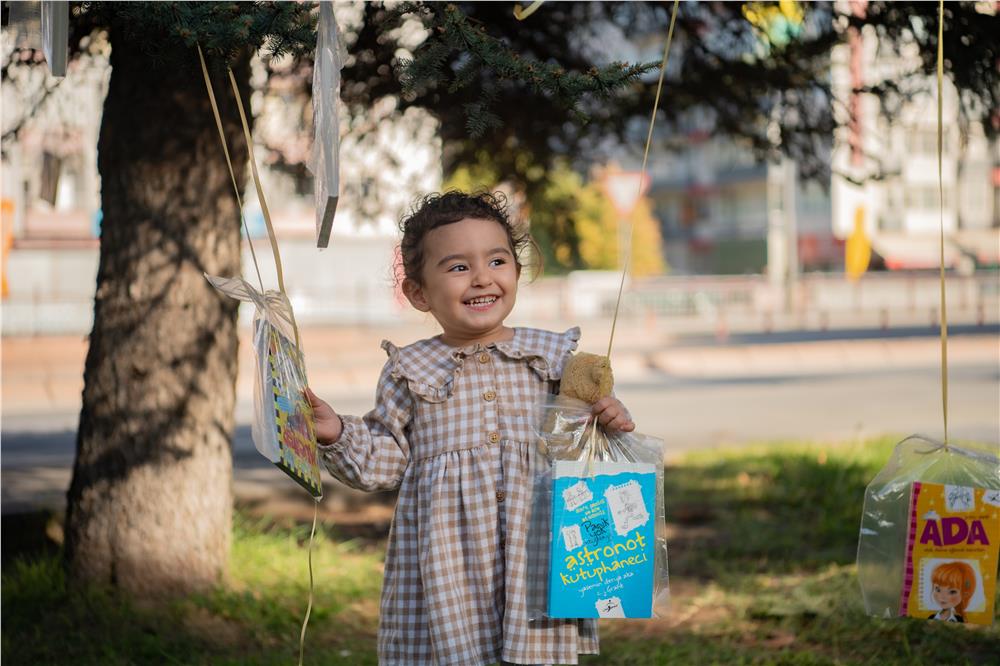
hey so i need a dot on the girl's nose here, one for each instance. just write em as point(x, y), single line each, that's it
point(481, 277)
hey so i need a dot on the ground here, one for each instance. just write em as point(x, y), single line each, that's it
point(761, 543)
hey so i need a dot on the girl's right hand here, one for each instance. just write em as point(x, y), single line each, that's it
point(328, 424)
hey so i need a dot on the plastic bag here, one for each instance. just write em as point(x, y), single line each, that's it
point(283, 427)
point(325, 163)
point(901, 541)
point(598, 533)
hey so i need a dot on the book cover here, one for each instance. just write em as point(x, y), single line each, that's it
point(291, 416)
point(951, 553)
point(602, 540)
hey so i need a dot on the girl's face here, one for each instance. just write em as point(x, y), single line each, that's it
point(469, 281)
point(946, 597)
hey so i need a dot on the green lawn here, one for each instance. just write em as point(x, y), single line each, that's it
point(762, 545)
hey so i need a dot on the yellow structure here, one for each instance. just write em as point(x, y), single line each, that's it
point(858, 249)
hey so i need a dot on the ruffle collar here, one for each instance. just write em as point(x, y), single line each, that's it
point(430, 366)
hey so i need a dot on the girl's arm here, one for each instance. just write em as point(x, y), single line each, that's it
point(371, 452)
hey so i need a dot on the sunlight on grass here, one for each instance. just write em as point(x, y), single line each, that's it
point(269, 585)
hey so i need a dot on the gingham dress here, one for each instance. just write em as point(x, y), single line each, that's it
point(452, 429)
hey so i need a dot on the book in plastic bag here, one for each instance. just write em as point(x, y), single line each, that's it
point(289, 432)
point(283, 427)
point(951, 553)
point(603, 539)
point(598, 534)
point(904, 538)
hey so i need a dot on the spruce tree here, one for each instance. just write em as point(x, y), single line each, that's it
point(150, 503)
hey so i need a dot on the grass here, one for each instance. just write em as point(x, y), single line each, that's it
point(254, 618)
point(762, 545)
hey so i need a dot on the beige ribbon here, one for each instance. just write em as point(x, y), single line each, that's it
point(229, 162)
point(645, 157)
point(305, 620)
point(944, 310)
point(521, 13)
point(256, 181)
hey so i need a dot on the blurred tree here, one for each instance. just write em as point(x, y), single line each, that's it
point(758, 72)
point(600, 235)
point(574, 223)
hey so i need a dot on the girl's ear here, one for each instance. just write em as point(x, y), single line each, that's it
point(415, 295)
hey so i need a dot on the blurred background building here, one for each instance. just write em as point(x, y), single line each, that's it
point(748, 243)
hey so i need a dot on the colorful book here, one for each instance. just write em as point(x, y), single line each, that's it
point(292, 429)
point(951, 553)
point(602, 540)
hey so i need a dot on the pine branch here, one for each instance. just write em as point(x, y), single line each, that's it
point(458, 50)
point(223, 29)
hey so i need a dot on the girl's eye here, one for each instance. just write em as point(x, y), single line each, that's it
point(457, 267)
point(497, 262)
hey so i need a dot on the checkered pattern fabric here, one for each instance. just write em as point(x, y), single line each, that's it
point(452, 429)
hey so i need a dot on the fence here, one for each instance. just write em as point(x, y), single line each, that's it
point(52, 293)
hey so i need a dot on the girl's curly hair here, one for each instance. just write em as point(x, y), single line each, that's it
point(436, 210)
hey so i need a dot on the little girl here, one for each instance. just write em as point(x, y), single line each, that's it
point(452, 429)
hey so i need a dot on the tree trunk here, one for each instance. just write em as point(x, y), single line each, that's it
point(150, 504)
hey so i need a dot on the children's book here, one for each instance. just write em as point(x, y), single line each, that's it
point(602, 540)
point(290, 431)
point(951, 553)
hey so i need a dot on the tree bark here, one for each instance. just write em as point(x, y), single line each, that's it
point(150, 504)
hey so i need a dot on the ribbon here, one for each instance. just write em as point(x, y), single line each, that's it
point(305, 621)
point(256, 181)
point(935, 446)
point(229, 162)
point(944, 310)
point(520, 13)
point(645, 157)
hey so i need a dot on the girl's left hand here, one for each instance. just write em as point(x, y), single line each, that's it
point(611, 414)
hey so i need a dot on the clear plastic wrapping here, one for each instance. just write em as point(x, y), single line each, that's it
point(598, 530)
point(283, 428)
point(891, 522)
point(325, 162)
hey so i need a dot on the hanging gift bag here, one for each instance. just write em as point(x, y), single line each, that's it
point(930, 529)
point(931, 520)
point(283, 429)
point(598, 528)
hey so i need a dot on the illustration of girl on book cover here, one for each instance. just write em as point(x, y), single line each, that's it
point(954, 584)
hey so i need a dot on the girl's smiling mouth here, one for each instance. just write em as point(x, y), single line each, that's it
point(481, 303)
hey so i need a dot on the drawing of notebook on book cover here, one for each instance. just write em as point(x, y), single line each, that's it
point(951, 553)
point(290, 432)
point(602, 540)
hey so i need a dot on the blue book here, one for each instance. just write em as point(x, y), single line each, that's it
point(603, 540)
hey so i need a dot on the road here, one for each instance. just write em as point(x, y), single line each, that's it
point(693, 398)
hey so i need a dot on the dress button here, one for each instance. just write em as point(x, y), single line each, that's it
point(501, 496)
point(494, 437)
point(490, 396)
point(484, 358)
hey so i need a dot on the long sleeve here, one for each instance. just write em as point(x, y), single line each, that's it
point(373, 452)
